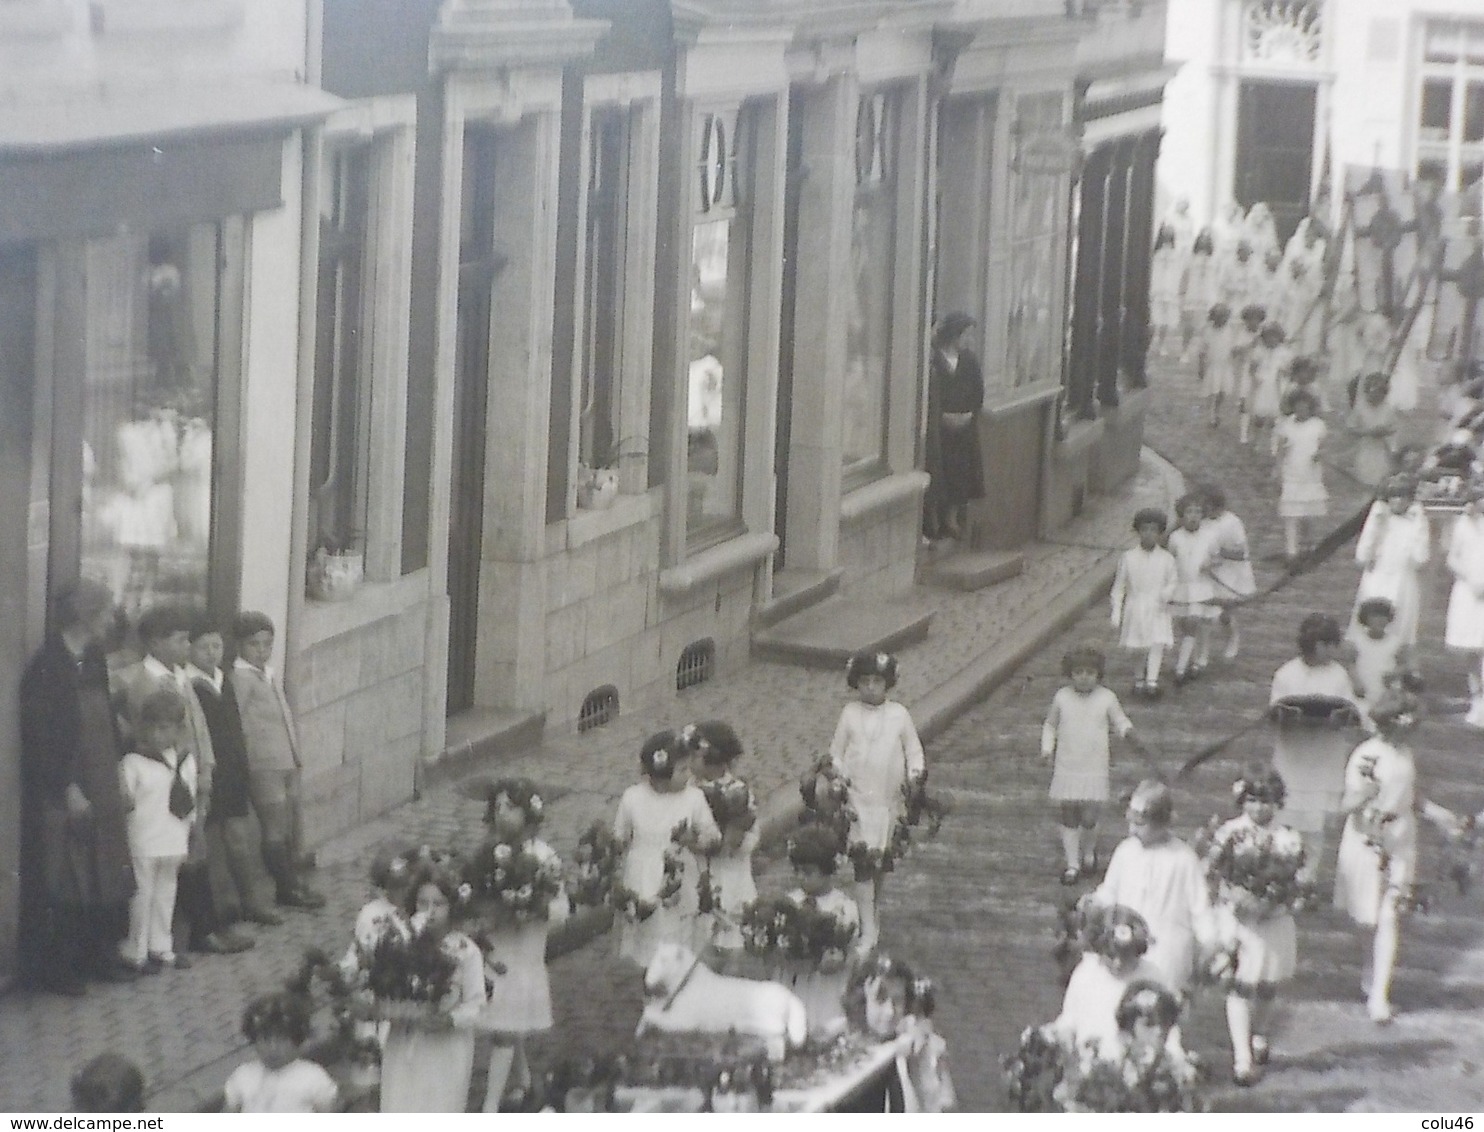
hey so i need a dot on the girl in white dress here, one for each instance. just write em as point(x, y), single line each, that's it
point(1379, 656)
point(1216, 359)
point(1193, 607)
point(1231, 569)
point(279, 1080)
point(814, 853)
point(427, 1065)
point(1394, 546)
point(662, 910)
point(1269, 370)
point(514, 949)
point(1303, 496)
point(1200, 291)
point(1309, 752)
point(1378, 850)
point(877, 751)
point(1266, 938)
point(1160, 877)
point(1074, 739)
point(1117, 943)
point(716, 749)
point(1464, 630)
point(1143, 588)
point(1166, 269)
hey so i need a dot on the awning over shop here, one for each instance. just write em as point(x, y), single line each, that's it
point(1123, 104)
point(148, 157)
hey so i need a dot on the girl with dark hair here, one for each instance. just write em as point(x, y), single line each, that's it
point(716, 747)
point(877, 751)
point(279, 1080)
point(1304, 496)
point(648, 814)
point(1264, 935)
point(1142, 591)
point(1117, 943)
point(1394, 545)
point(1075, 739)
point(953, 458)
point(1313, 702)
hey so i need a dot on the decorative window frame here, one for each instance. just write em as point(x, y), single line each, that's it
point(389, 125)
point(1452, 150)
point(640, 95)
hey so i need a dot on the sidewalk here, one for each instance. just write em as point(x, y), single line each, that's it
point(182, 1028)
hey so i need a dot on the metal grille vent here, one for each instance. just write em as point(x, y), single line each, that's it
point(697, 664)
point(600, 707)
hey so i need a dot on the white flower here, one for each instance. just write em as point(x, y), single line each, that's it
point(503, 852)
point(1123, 934)
point(536, 804)
point(397, 866)
point(466, 890)
point(882, 660)
point(1239, 787)
point(660, 759)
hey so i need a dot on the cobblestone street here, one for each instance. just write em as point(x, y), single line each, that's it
point(976, 908)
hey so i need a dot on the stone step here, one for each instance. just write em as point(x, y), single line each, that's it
point(477, 735)
point(824, 635)
point(795, 591)
point(975, 569)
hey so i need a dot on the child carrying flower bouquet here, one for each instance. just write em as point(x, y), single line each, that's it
point(1257, 870)
point(657, 894)
point(518, 895)
point(726, 876)
point(1117, 939)
point(809, 933)
point(430, 985)
point(877, 752)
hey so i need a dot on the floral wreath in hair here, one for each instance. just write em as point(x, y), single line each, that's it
point(1256, 789)
point(694, 740)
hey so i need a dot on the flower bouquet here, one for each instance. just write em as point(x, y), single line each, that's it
point(783, 928)
point(733, 806)
point(629, 903)
point(408, 976)
point(1259, 870)
point(1149, 1079)
point(594, 872)
point(1035, 1070)
point(826, 794)
point(514, 882)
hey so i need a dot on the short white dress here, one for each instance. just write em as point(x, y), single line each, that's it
point(1218, 359)
point(877, 749)
point(1267, 946)
point(1142, 591)
point(1392, 551)
point(1363, 877)
point(1166, 884)
point(1465, 625)
point(1232, 576)
point(1304, 495)
point(646, 818)
point(1195, 592)
point(515, 967)
point(1077, 727)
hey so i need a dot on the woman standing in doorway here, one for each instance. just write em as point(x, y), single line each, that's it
point(955, 394)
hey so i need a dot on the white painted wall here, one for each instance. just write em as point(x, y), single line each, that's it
point(1371, 51)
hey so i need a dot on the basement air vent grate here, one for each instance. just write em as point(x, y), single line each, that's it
point(600, 707)
point(697, 664)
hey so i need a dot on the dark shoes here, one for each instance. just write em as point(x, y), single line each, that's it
point(114, 971)
point(302, 898)
point(180, 961)
point(265, 916)
point(225, 942)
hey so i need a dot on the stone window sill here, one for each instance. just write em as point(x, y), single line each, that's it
point(744, 551)
point(374, 601)
point(587, 526)
point(882, 494)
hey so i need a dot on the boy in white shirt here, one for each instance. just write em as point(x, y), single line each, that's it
point(158, 780)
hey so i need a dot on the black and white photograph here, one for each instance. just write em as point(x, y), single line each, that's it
point(742, 556)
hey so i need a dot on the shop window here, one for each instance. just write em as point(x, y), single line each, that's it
point(599, 707)
point(1032, 336)
point(716, 378)
point(153, 348)
point(696, 665)
point(872, 247)
point(343, 386)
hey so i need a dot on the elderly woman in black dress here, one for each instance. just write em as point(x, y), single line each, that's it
point(955, 394)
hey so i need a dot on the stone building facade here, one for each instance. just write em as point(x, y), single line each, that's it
point(521, 358)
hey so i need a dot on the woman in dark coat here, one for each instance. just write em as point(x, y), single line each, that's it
point(76, 875)
point(955, 394)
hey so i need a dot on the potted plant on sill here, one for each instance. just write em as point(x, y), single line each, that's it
point(337, 566)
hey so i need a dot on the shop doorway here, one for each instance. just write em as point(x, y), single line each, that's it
point(1275, 149)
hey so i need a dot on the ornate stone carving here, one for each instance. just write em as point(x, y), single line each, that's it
point(1282, 31)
